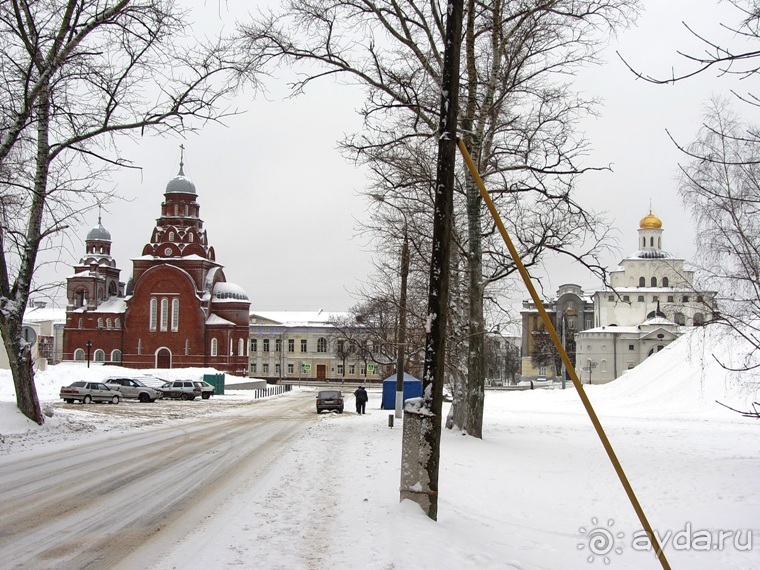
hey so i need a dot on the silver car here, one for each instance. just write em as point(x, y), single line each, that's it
point(133, 388)
point(87, 392)
point(182, 389)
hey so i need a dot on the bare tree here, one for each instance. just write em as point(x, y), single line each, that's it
point(516, 116)
point(719, 182)
point(721, 187)
point(738, 54)
point(76, 74)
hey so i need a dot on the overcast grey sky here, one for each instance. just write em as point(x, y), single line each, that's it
point(280, 204)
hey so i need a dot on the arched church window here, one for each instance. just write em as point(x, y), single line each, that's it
point(190, 238)
point(116, 355)
point(80, 324)
point(100, 323)
point(214, 347)
point(100, 355)
point(175, 209)
point(659, 243)
point(175, 315)
point(642, 282)
point(651, 242)
point(654, 281)
point(117, 323)
point(164, 314)
point(699, 319)
point(664, 281)
point(241, 347)
point(643, 242)
point(108, 323)
point(79, 355)
point(187, 209)
point(679, 319)
point(153, 314)
point(171, 236)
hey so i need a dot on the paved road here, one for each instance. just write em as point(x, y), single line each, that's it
point(117, 502)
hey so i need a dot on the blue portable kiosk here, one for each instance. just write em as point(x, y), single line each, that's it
point(412, 389)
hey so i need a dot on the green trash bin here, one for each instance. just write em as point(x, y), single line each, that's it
point(217, 381)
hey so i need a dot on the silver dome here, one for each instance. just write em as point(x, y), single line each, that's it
point(180, 184)
point(99, 233)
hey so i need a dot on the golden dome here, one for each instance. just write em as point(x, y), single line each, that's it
point(650, 221)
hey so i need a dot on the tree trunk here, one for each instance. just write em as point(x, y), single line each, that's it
point(476, 357)
point(12, 313)
point(471, 415)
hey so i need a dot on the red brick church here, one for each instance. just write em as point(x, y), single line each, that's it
point(178, 310)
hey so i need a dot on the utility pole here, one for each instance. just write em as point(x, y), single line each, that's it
point(401, 335)
point(419, 468)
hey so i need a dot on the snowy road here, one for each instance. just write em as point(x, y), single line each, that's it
point(123, 500)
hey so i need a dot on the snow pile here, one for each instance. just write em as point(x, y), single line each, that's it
point(686, 378)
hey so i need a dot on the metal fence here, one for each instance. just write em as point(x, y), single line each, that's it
point(271, 390)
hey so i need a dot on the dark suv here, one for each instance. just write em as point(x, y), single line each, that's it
point(330, 400)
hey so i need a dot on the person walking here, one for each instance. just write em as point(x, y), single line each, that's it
point(361, 399)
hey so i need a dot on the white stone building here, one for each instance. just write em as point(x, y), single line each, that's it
point(651, 298)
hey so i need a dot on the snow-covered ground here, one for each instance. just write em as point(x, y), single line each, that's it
point(536, 493)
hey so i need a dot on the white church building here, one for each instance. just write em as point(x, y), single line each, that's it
point(650, 301)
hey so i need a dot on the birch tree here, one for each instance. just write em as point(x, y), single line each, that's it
point(76, 75)
point(517, 117)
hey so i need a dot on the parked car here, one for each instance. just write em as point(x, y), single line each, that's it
point(330, 400)
point(134, 388)
point(87, 392)
point(182, 389)
point(207, 390)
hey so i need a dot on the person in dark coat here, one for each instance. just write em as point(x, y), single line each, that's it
point(361, 399)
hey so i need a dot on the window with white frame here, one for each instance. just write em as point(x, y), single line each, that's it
point(265, 368)
point(265, 345)
point(116, 356)
point(291, 345)
point(321, 344)
point(254, 345)
point(153, 314)
point(341, 368)
point(164, 314)
point(290, 368)
point(303, 345)
point(175, 315)
point(241, 347)
point(214, 347)
point(100, 355)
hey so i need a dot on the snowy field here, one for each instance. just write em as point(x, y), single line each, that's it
point(536, 493)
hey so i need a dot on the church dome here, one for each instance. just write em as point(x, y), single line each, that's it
point(650, 222)
point(99, 233)
point(224, 291)
point(180, 184)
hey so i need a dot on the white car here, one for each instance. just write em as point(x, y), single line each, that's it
point(133, 388)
